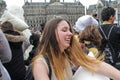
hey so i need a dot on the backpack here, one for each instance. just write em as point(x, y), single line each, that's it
point(29, 75)
point(108, 49)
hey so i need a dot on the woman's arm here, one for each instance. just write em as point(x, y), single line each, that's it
point(108, 70)
point(40, 71)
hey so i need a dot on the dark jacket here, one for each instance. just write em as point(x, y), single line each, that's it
point(114, 38)
point(16, 66)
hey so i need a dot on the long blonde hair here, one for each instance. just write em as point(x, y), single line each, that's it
point(49, 46)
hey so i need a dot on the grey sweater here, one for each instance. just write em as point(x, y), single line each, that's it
point(5, 56)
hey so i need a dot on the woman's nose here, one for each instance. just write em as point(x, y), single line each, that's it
point(70, 33)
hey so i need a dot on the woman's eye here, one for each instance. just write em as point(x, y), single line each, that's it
point(64, 30)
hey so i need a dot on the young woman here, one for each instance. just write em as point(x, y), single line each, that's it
point(62, 49)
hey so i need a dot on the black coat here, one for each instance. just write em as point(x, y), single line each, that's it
point(16, 66)
point(114, 37)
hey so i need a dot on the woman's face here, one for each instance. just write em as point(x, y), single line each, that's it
point(63, 35)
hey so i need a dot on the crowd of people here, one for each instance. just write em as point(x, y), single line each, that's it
point(58, 54)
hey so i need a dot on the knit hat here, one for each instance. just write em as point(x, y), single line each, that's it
point(85, 21)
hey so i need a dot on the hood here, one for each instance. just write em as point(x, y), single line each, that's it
point(15, 38)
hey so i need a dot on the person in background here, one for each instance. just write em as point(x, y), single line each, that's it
point(16, 66)
point(42, 27)
point(108, 26)
point(34, 40)
point(58, 44)
point(95, 16)
point(5, 56)
point(82, 23)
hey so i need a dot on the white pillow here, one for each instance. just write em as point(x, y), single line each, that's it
point(16, 11)
point(27, 33)
point(83, 74)
point(27, 51)
point(18, 23)
point(84, 21)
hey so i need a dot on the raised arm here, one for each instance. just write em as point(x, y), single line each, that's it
point(108, 70)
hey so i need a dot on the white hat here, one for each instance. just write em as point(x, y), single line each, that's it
point(85, 21)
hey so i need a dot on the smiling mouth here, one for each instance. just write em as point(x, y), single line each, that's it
point(68, 41)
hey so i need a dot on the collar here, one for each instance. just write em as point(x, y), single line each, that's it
point(15, 38)
point(106, 22)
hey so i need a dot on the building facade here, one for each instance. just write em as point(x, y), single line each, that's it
point(38, 13)
point(2, 7)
